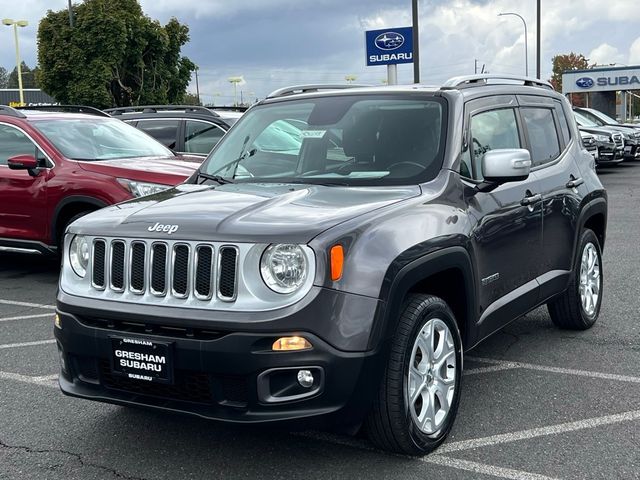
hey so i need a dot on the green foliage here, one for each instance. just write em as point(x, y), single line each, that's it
point(191, 99)
point(114, 56)
point(4, 77)
point(29, 77)
point(562, 63)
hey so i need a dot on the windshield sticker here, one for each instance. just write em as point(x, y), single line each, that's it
point(313, 133)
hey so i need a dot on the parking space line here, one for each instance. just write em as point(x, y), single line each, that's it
point(482, 468)
point(494, 368)
point(27, 317)
point(568, 371)
point(27, 304)
point(539, 432)
point(26, 344)
point(45, 381)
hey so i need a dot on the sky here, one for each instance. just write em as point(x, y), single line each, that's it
point(275, 43)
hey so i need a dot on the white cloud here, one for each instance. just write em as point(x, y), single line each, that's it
point(605, 54)
point(634, 52)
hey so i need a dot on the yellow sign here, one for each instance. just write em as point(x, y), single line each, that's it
point(16, 104)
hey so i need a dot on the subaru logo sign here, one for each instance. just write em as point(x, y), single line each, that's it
point(585, 82)
point(389, 41)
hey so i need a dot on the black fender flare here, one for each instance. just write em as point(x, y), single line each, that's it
point(596, 206)
point(68, 201)
point(400, 283)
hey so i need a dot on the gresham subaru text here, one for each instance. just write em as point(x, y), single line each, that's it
point(334, 273)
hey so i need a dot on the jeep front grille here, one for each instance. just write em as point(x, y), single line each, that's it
point(165, 269)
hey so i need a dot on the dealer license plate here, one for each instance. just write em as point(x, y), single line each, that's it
point(142, 359)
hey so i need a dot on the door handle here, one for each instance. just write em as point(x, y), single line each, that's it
point(530, 200)
point(574, 182)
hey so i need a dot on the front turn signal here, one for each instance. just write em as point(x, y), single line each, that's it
point(287, 344)
point(337, 262)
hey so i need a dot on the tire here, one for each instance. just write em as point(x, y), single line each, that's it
point(394, 423)
point(572, 310)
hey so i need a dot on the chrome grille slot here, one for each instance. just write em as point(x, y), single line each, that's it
point(99, 264)
point(180, 271)
point(137, 267)
point(117, 265)
point(158, 281)
point(203, 284)
point(227, 273)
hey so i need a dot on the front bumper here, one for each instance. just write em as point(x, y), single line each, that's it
point(609, 153)
point(222, 375)
point(631, 150)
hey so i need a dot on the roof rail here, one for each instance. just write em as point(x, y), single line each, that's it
point(161, 108)
point(66, 109)
point(479, 80)
point(297, 89)
point(11, 112)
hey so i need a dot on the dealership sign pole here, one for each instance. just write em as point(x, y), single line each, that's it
point(389, 47)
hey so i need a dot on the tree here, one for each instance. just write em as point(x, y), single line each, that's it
point(114, 56)
point(562, 63)
point(29, 79)
point(190, 99)
point(4, 77)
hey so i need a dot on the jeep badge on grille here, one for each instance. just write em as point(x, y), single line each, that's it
point(159, 227)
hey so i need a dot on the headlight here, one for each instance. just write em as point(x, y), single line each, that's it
point(79, 255)
point(140, 189)
point(284, 268)
point(601, 138)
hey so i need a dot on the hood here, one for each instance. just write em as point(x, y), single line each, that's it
point(259, 213)
point(599, 130)
point(164, 170)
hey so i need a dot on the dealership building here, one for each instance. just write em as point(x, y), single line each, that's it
point(601, 85)
point(32, 96)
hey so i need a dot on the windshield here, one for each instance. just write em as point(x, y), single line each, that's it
point(584, 121)
point(601, 118)
point(99, 138)
point(347, 140)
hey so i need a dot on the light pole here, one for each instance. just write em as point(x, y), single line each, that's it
point(526, 48)
point(17, 23)
point(236, 80)
point(197, 86)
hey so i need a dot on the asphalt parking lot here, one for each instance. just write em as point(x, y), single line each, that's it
point(537, 402)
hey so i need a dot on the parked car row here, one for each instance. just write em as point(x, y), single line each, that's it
point(61, 162)
point(608, 141)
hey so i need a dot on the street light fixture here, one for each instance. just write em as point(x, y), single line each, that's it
point(17, 23)
point(239, 80)
point(526, 49)
point(350, 78)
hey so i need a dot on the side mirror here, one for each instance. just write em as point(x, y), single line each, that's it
point(24, 162)
point(504, 165)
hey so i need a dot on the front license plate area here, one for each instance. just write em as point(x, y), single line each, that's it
point(142, 359)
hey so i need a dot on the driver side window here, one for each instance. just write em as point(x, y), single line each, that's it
point(13, 142)
point(490, 130)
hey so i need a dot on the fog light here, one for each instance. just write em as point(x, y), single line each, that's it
point(63, 362)
point(290, 343)
point(57, 321)
point(305, 378)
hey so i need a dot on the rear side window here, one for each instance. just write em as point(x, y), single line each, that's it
point(165, 131)
point(564, 124)
point(543, 135)
point(13, 142)
point(491, 130)
point(201, 137)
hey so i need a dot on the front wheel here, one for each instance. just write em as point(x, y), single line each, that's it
point(579, 306)
point(420, 389)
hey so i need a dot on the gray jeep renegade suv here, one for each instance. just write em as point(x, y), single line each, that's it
point(335, 255)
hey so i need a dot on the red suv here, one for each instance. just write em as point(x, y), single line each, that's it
point(57, 166)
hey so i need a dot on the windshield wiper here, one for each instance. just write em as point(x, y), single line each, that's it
point(220, 180)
